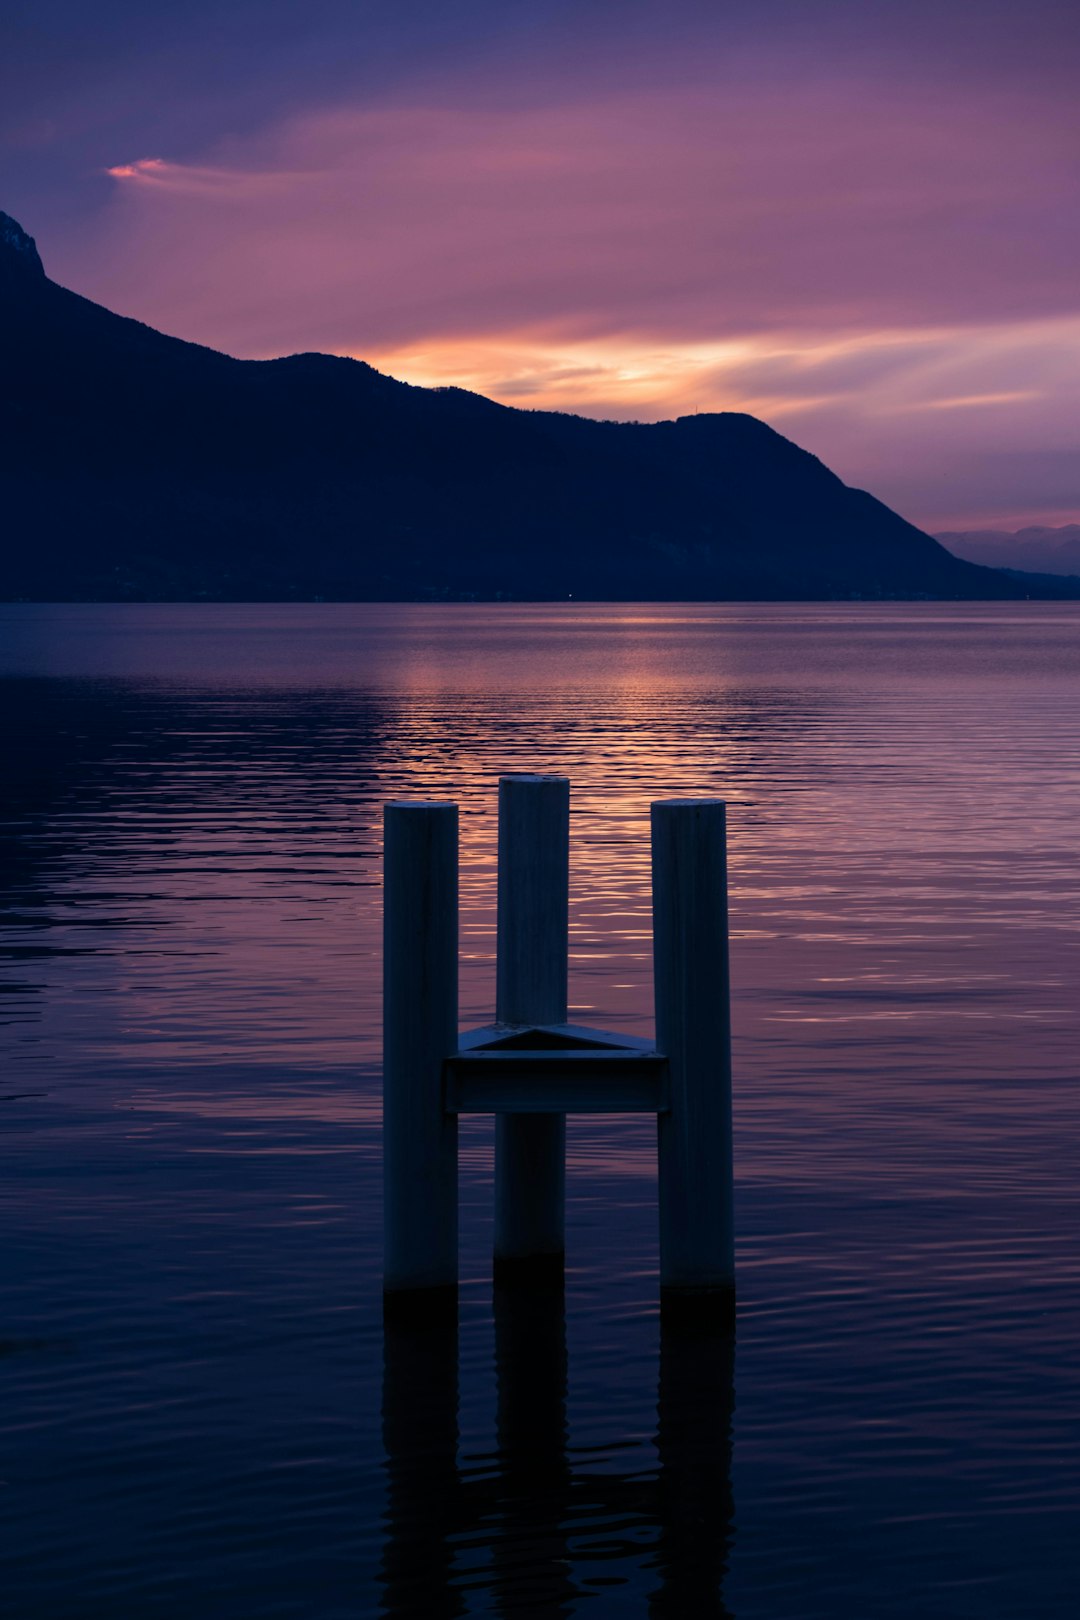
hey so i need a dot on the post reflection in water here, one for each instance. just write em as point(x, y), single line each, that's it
point(420, 1436)
point(532, 1547)
point(530, 1528)
point(696, 1508)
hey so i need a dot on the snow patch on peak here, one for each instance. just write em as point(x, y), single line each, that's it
point(14, 241)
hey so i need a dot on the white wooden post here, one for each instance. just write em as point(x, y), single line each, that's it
point(420, 976)
point(530, 1149)
point(693, 1030)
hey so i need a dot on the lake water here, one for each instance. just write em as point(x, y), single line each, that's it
point(199, 1414)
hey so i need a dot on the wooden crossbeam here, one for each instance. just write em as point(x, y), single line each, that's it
point(554, 1069)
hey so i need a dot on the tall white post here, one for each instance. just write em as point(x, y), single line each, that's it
point(693, 1030)
point(420, 976)
point(530, 1149)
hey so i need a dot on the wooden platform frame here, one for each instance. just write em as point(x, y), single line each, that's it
point(531, 1068)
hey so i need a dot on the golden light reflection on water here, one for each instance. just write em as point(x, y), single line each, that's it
point(901, 783)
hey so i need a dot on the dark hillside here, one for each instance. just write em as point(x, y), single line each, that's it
point(137, 466)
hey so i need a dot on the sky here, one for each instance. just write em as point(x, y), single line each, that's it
point(859, 221)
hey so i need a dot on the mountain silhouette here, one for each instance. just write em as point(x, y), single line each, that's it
point(1037, 549)
point(136, 466)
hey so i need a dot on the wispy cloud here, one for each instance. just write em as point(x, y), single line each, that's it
point(965, 402)
point(193, 180)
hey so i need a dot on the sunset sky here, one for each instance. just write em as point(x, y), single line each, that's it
point(859, 221)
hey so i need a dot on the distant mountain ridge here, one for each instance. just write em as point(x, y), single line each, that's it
point(137, 466)
point(1034, 549)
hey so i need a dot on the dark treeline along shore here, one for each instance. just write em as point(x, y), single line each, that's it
point(139, 467)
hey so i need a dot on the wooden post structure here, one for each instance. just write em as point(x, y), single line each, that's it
point(693, 1031)
point(531, 1068)
point(420, 978)
point(530, 989)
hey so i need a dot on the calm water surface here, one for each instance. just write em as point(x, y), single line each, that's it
point(199, 1414)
